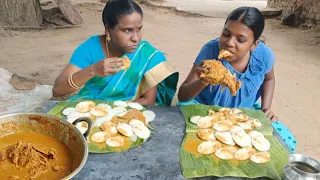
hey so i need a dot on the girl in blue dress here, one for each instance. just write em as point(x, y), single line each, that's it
point(252, 62)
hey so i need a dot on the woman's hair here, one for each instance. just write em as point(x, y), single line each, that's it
point(251, 17)
point(116, 8)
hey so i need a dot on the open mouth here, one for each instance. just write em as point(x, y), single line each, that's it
point(224, 53)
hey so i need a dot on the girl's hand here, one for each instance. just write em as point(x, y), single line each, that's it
point(270, 115)
point(200, 69)
point(108, 67)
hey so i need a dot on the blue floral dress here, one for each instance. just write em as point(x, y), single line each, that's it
point(260, 63)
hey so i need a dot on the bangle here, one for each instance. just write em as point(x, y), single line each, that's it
point(71, 83)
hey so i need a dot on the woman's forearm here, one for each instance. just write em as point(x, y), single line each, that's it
point(62, 87)
point(148, 98)
point(144, 101)
point(188, 91)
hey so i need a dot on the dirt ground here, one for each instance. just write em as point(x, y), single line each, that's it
point(42, 55)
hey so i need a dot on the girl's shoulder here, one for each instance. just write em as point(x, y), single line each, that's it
point(264, 55)
point(264, 49)
point(212, 45)
point(210, 50)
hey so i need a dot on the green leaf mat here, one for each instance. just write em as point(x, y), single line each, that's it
point(194, 164)
point(94, 147)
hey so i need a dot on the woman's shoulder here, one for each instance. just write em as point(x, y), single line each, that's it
point(148, 53)
point(90, 44)
point(88, 52)
point(92, 40)
point(147, 47)
point(147, 44)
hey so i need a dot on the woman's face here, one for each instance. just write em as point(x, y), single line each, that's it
point(238, 39)
point(126, 35)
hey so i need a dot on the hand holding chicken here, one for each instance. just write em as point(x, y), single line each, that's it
point(218, 74)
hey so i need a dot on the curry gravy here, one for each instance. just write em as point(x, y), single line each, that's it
point(55, 159)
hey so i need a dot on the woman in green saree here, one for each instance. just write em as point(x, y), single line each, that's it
point(98, 63)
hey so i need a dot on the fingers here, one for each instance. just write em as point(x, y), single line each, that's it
point(205, 70)
point(270, 115)
point(112, 70)
point(201, 69)
point(274, 119)
point(114, 60)
point(114, 63)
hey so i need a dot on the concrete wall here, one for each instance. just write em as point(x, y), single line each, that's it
point(304, 10)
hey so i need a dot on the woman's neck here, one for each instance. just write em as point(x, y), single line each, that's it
point(241, 64)
point(113, 50)
point(109, 48)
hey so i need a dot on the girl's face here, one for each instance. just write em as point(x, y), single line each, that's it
point(126, 35)
point(238, 39)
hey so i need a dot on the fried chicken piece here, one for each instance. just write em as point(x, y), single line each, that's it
point(126, 63)
point(224, 54)
point(2, 156)
point(218, 74)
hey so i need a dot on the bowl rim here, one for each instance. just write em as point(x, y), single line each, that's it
point(83, 139)
point(301, 156)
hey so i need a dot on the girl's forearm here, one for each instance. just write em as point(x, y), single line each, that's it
point(267, 93)
point(189, 91)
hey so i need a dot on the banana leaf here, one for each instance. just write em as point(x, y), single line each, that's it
point(194, 164)
point(94, 147)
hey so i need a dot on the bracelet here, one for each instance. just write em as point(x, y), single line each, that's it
point(71, 83)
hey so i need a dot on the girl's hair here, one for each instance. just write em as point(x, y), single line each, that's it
point(251, 17)
point(116, 8)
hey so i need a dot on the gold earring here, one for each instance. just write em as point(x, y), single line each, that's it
point(108, 37)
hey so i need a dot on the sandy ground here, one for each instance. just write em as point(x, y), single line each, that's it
point(42, 55)
point(211, 8)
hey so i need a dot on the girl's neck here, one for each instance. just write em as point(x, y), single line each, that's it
point(241, 64)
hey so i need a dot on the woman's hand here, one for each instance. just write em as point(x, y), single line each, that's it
point(270, 115)
point(200, 69)
point(108, 67)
